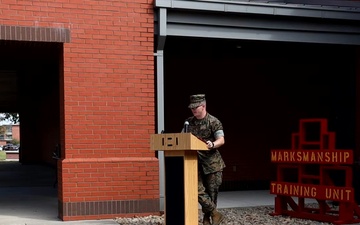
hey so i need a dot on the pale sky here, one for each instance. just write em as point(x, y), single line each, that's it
point(5, 122)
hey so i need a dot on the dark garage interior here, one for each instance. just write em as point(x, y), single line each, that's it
point(260, 90)
point(30, 79)
point(30, 74)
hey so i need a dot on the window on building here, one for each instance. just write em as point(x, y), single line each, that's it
point(8, 129)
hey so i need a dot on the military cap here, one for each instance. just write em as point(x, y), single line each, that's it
point(196, 100)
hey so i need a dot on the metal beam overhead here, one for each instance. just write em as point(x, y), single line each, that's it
point(295, 10)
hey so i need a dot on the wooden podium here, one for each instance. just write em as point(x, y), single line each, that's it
point(181, 176)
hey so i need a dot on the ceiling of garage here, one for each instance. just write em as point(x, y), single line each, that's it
point(16, 58)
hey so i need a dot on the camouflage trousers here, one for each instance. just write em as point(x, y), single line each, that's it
point(208, 190)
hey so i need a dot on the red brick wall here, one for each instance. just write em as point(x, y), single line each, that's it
point(108, 103)
point(16, 132)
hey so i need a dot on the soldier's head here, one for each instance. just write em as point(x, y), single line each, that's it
point(197, 100)
point(198, 105)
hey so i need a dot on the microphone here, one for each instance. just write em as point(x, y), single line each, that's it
point(186, 126)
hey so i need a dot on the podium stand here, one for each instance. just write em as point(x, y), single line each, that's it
point(181, 176)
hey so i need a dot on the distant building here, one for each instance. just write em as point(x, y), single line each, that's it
point(12, 132)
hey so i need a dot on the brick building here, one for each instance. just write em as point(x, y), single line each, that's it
point(81, 76)
point(86, 83)
point(12, 132)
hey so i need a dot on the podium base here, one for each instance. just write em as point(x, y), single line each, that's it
point(174, 191)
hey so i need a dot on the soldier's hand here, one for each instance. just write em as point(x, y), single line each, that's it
point(210, 144)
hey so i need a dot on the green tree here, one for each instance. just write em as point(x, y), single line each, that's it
point(12, 117)
point(15, 141)
point(2, 130)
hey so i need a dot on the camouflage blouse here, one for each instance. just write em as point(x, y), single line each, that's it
point(207, 129)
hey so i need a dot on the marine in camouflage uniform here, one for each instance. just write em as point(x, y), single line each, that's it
point(210, 163)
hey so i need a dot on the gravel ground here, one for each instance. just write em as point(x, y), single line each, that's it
point(234, 216)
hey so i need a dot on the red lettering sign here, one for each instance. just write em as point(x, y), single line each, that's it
point(307, 170)
point(320, 192)
point(313, 156)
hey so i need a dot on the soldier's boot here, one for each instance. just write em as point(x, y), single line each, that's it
point(217, 217)
point(206, 219)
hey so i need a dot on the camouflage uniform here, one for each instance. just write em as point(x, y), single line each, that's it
point(210, 163)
